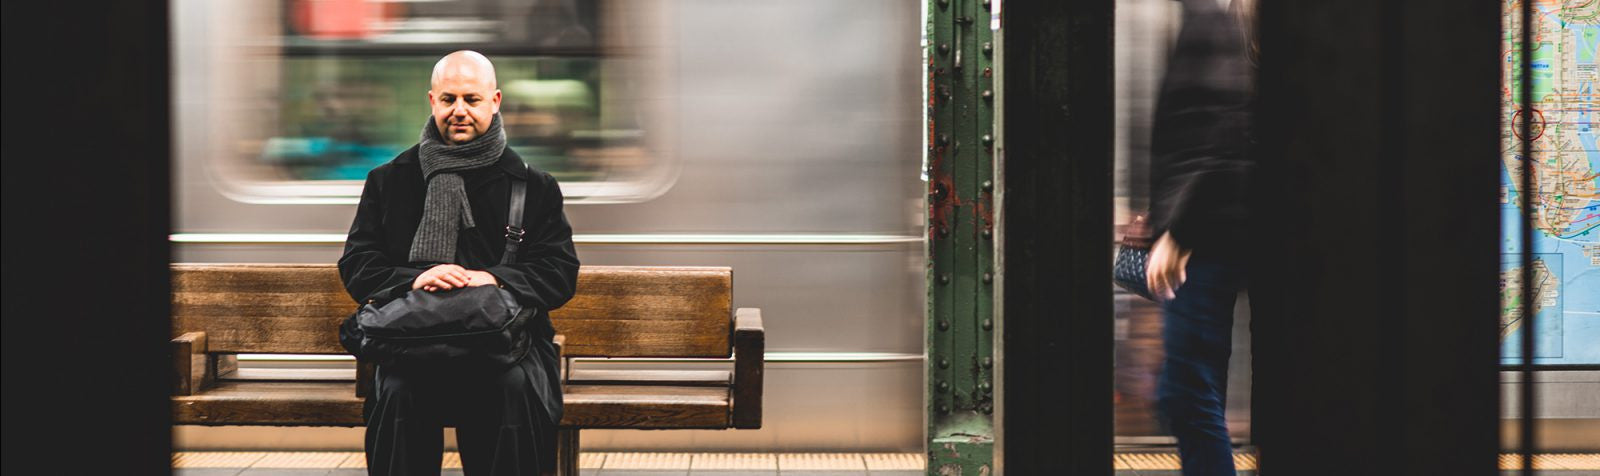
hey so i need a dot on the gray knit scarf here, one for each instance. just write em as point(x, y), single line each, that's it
point(445, 211)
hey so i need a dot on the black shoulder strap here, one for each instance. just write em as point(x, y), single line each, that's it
point(514, 231)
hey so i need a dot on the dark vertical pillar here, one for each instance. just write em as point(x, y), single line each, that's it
point(1376, 295)
point(86, 158)
point(1057, 119)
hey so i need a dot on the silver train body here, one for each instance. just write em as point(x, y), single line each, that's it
point(781, 138)
point(787, 147)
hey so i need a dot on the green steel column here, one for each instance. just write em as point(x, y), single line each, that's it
point(960, 331)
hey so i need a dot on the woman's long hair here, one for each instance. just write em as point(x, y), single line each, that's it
point(1244, 11)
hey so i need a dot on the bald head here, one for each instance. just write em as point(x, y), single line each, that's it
point(465, 65)
point(463, 95)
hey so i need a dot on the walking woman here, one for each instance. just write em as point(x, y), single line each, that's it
point(1200, 172)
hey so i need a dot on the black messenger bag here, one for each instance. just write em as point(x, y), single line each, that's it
point(462, 328)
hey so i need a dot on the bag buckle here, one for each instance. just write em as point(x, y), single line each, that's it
point(514, 234)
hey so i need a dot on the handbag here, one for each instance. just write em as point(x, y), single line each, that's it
point(1133, 257)
point(462, 328)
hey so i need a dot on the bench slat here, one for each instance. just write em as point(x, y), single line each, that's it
point(686, 378)
point(652, 338)
point(619, 311)
point(271, 403)
point(335, 404)
point(623, 311)
point(261, 308)
point(683, 378)
point(291, 375)
point(278, 304)
point(645, 407)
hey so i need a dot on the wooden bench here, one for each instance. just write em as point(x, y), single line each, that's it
point(219, 310)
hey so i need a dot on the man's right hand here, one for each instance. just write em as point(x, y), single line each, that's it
point(441, 277)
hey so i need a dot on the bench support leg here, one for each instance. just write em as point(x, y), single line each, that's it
point(365, 373)
point(567, 452)
point(192, 368)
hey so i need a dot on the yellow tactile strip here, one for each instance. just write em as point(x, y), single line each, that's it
point(304, 459)
point(1244, 461)
point(355, 461)
point(591, 460)
point(895, 461)
point(1145, 461)
point(1553, 461)
point(820, 461)
point(647, 461)
point(726, 461)
point(1169, 461)
point(215, 459)
point(452, 460)
point(754, 461)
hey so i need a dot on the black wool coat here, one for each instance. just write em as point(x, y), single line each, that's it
point(543, 275)
point(1201, 144)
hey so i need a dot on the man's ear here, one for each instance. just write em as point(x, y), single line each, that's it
point(496, 100)
point(430, 98)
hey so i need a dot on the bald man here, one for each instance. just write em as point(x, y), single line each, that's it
point(434, 219)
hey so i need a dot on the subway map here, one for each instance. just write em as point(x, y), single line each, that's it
point(1566, 175)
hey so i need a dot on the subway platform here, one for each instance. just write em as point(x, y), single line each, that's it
point(1132, 463)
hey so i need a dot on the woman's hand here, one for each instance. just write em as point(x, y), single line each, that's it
point(1165, 271)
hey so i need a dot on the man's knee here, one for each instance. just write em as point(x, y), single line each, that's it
point(389, 385)
point(511, 382)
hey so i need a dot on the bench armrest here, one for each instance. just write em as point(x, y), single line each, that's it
point(189, 364)
point(749, 365)
point(561, 356)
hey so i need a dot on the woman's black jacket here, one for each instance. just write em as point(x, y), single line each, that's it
point(1201, 158)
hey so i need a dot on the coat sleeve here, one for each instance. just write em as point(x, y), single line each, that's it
point(544, 273)
point(1205, 190)
point(368, 273)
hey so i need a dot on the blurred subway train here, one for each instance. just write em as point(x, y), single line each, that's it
point(781, 138)
point(777, 138)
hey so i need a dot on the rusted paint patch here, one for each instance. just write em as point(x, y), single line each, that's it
point(971, 438)
point(936, 214)
point(947, 458)
point(983, 211)
point(944, 197)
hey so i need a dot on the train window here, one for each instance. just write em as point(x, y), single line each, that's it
point(318, 92)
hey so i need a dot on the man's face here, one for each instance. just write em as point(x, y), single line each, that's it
point(464, 102)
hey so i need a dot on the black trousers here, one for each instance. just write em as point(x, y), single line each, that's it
point(502, 428)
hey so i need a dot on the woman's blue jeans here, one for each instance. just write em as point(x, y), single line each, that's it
point(1197, 335)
